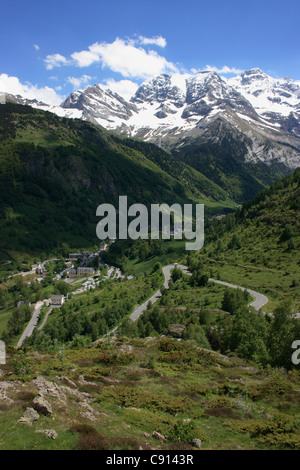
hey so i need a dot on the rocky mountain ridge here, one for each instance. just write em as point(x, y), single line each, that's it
point(252, 111)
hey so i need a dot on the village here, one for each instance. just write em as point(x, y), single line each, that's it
point(83, 268)
point(80, 268)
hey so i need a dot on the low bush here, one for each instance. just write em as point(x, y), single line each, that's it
point(131, 397)
point(182, 431)
point(280, 430)
point(91, 439)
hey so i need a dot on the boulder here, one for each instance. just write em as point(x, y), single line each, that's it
point(196, 443)
point(125, 349)
point(158, 436)
point(175, 330)
point(66, 380)
point(24, 420)
point(42, 406)
point(88, 412)
point(31, 414)
point(50, 433)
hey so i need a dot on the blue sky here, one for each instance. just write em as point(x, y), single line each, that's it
point(49, 49)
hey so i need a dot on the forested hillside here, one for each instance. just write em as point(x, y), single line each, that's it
point(54, 173)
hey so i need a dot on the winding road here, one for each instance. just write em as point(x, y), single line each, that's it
point(259, 299)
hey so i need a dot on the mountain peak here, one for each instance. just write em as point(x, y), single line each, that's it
point(254, 71)
point(159, 89)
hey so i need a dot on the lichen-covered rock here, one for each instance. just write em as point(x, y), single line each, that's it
point(125, 349)
point(66, 380)
point(24, 420)
point(42, 406)
point(158, 436)
point(49, 389)
point(5, 386)
point(196, 443)
point(176, 330)
point(31, 414)
point(88, 412)
point(50, 433)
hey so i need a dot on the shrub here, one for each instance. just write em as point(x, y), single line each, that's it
point(275, 387)
point(127, 396)
point(91, 439)
point(21, 365)
point(222, 412)
point(279, 430)
point(168, 345)
point(182, 431)
point(200, 389)
point(220, 402)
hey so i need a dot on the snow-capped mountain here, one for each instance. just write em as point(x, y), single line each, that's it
point(100, 106)
point(276, 100)
point(253, 112)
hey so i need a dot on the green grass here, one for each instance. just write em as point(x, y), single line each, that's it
point(5, 315)
point(175, 250)
point(15, 436)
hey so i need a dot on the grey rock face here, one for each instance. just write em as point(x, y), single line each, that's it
point(159, 90)
point(31, 414)
point(98, 103)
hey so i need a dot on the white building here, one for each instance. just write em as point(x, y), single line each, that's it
point(57, 299)
point(82, 270)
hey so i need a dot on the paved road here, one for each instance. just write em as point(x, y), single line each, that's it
point(139, 309)
point(31, 325)
point(24, 273)
point(259, 299)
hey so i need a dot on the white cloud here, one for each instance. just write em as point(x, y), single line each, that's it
point(78, 82)
point(85, 58)
point(122, 56)
point(156, 41)
point(131, 61)
point(37, 48)
point(124, 88)
point(225, 69)
point(13, 86)
point(55, 60)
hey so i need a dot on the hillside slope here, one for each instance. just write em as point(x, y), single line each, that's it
point(156, 394)
point(258, 246)
point(56, 171)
